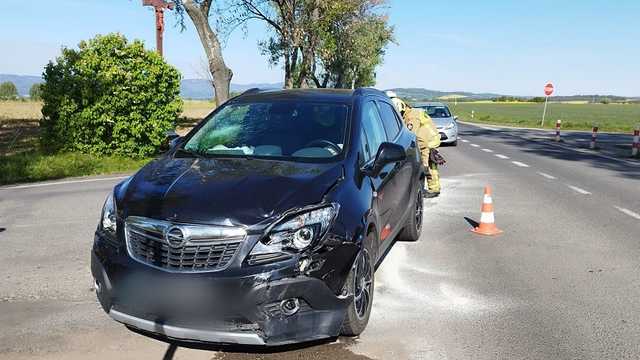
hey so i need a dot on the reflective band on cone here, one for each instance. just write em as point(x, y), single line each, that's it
point(487, 224)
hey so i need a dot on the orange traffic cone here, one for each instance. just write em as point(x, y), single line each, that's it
point(487, 219)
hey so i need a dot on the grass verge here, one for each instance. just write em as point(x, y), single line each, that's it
point(29, 167)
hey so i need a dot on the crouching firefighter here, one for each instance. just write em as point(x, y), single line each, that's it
point(428, 137)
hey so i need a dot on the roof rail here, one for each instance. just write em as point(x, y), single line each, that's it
point(368, 91)
point(251, 91)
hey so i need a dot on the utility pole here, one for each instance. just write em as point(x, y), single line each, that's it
point(159, 6)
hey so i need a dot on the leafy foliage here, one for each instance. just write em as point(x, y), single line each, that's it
point(109, 97)
point(8, 91)
point(35, 92)
point(353, 38)
point(322, 43)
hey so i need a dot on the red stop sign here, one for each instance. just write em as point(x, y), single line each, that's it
point(548, 89)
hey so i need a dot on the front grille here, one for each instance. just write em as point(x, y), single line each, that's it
point(180, 247)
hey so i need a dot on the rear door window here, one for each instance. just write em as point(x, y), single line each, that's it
point(389, 120)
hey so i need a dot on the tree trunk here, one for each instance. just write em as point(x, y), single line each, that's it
point(288, 77)
point(199, 14)
point(309, 49)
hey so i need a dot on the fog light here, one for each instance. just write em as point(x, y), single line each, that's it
point(290, 306)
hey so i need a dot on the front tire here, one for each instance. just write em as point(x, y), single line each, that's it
point(360, 283)
point(413, 228)
point(455, 143)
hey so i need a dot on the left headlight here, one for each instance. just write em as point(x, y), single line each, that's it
point(450, 125)
point(298, 232)
point(108, 219)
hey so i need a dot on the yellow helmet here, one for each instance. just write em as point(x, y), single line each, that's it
point(400, 105)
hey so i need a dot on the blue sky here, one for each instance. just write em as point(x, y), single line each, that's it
point(509, 47)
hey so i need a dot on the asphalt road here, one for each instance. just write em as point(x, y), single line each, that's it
point(560, 283)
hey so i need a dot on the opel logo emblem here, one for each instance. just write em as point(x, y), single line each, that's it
point(175, 237)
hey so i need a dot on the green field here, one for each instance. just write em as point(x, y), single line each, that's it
point(610, 117)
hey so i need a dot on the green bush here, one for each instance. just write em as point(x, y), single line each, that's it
point(109, 97)
point(8, 91)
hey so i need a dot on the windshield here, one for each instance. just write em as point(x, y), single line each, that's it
point(437, 111)
point(283, 130)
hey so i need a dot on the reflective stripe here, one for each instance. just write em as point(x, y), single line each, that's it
point(487, 218)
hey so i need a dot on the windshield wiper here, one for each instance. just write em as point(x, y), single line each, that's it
point(191, 153)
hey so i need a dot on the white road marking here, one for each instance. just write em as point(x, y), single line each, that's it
point(503, 157)
point(628, 212)
point(550, 177)
point(475, 145)
point(487, 150)
point(579, 190)
point(518, 163)
point(62, 183)
point(464, 141)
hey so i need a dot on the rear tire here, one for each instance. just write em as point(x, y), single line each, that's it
point(360, 283)
point(413, 228)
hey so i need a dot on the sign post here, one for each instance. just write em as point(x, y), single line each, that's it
point(159, 6)
point(548, 91)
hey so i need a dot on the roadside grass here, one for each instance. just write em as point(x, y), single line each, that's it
point(22, 161)
point(33, 166)
point(609, 117)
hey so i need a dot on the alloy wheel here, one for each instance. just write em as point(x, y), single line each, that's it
point(363, 278)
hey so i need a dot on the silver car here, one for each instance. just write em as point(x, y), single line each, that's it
point(446, 123)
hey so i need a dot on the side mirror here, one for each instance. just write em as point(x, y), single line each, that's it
point(455, 118)
point(172, 140)
point(388, 153)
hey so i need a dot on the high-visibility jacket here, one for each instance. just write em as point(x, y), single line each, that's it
point(421, 124)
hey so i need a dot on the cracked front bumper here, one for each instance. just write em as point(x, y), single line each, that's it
point(239, 309)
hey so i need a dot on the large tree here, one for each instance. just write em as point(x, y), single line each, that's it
point(335, 43)
point(353, 37)
point(285, 19)
point(199, 11)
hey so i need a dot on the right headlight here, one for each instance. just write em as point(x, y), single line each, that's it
point(295, 233)
point(108, 218)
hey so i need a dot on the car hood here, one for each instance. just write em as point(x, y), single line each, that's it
point(442, 122)
point(225, 191)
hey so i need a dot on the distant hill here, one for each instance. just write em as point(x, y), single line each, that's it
point(199, 89)
point(419, 94)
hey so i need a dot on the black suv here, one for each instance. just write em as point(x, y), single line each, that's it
point(264, 225)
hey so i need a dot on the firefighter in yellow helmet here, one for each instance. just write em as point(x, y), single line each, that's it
point(428, 137)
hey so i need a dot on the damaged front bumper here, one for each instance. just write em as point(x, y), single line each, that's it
point(267, 306)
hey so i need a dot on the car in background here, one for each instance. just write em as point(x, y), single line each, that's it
point(265, 223)
point(446, 123)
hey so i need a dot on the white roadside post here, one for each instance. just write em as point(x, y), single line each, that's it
point(594, 135)
point(558, 124)
point(548, 91)
point(636, 141)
